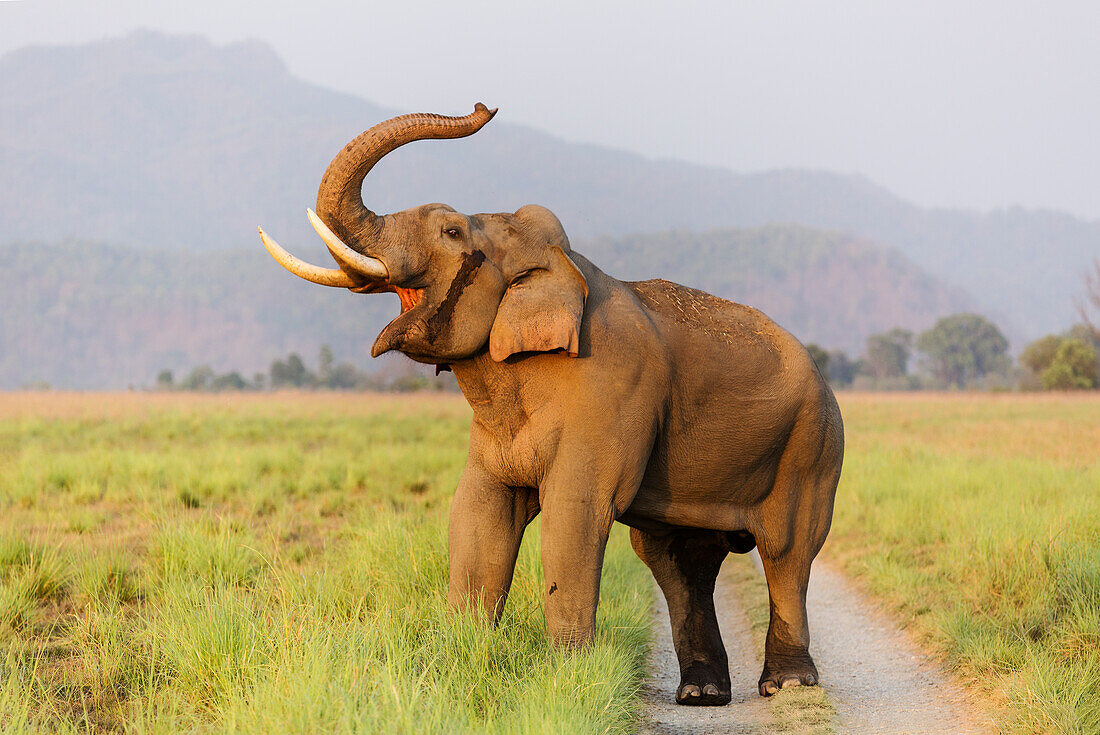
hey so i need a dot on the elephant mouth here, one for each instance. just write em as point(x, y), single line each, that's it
point(410, 298)
point(412, 303)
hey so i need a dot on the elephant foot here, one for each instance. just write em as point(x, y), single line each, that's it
point(787, 672)
point(702, 686)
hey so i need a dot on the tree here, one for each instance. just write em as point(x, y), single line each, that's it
point(1038, 355)
point(1063, 361)
point(962, 348)
point(344, 377)
point(296, 372)
point(198, 379)
point(409, 382)
point(1074, 366)
point(888, 354)
point(229, 381)
point(279, 375)
point(290, 373)
point(325, 361)
point(842, 369)
point(165, 381)
point(820, 358)
point(1086, 334)
point(1091, 301)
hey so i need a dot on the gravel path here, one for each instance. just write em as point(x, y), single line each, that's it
point(877, 680)
point(875, 676)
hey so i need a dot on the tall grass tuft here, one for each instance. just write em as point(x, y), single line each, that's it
point(213, 554)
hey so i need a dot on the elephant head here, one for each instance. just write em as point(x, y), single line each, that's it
point(463, 281)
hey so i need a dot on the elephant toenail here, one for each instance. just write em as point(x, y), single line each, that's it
point(770, 687)
point(710, 690)
point(690, 691)
point(790, 681)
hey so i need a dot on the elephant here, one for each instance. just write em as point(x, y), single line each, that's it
point(697, 422)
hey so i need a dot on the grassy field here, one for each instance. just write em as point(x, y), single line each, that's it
point(976, 518)
point(268, 564)
point(277, 563)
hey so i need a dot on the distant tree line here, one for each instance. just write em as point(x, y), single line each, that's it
point(961, 351)
point(966, 351)
point(292, 373)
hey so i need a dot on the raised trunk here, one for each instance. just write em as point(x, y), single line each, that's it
point(340, 196)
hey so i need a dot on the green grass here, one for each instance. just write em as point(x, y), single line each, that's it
point(275, 565)
point(978, 520)
point(278, 564)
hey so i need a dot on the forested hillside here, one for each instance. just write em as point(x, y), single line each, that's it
point(87, 315)
point(169, 142)
point(827, 288)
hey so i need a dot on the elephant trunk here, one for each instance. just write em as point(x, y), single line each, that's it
point(340, 196)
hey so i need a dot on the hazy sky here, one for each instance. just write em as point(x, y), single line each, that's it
point(979, 104)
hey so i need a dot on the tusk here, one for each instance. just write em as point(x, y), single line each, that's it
point(302, 269)
point(364, 264)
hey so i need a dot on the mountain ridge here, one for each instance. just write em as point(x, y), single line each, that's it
point(173, 142)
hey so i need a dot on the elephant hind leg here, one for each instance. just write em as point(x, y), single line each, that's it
point(800, 510)
point(685, 565)
point(787, 660)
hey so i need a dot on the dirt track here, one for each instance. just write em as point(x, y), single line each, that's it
point(876, 679)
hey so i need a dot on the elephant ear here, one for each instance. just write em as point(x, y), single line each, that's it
point(542, 309)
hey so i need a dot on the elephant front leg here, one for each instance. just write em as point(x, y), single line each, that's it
point(486, 528)
point(575, 528)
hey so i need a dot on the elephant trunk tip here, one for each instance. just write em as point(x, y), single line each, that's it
point(480, 107)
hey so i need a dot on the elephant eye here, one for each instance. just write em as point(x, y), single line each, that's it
point(452, 232)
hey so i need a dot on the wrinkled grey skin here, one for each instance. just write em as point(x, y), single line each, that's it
point(697, 422)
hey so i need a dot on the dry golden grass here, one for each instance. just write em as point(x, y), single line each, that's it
point(1058, 427)
point(80, 405)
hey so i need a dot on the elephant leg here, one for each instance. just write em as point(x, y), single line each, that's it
point(685, 565)
point(787, 661)
point(795, 522)
point(486, 528)
point(575, 527)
